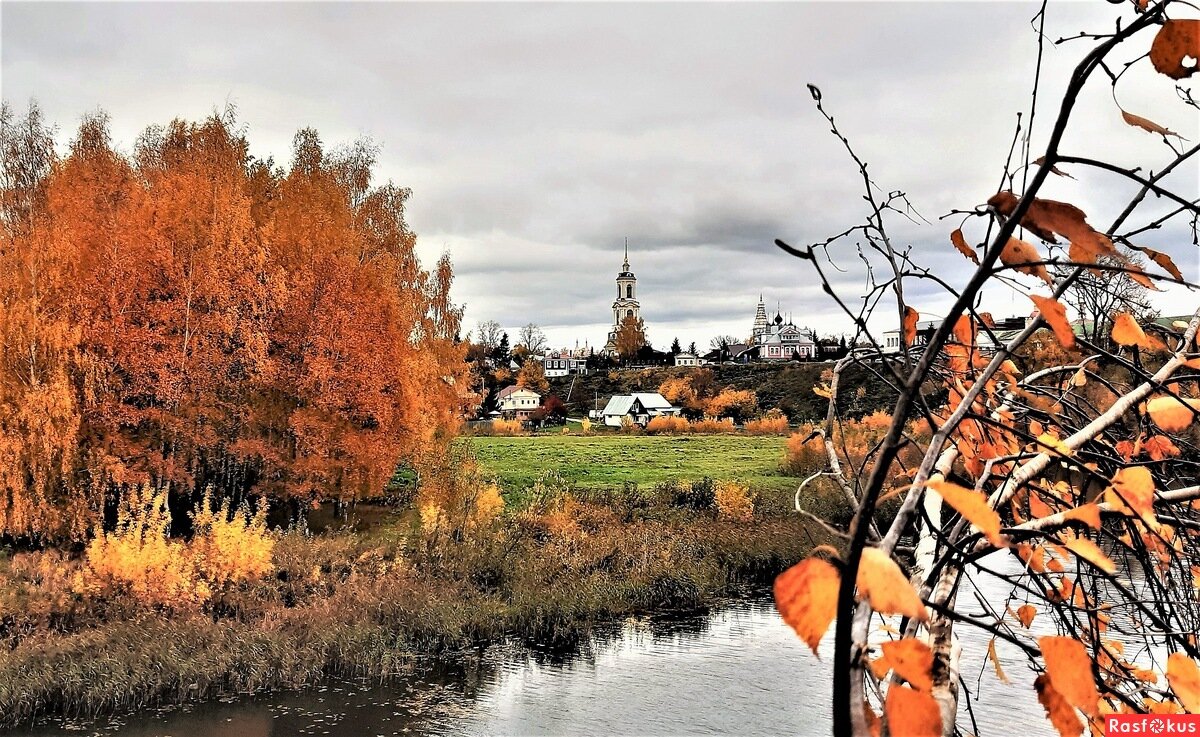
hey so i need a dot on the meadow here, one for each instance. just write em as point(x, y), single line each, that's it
point(613, 461)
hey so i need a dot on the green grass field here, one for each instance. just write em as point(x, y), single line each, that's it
point(609, 461)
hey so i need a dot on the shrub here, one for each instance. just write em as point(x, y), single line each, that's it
point(733, 502)
point(711, 425)
point(805, 453)
point(137, 558)
point(507, 427)
point(230, 546)
point(771, 423)
point(585, 426)
point(667, 425)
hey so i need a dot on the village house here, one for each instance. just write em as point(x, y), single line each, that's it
point(562, 363)
point(639, 407)
point(517, 402)
point(686, 359)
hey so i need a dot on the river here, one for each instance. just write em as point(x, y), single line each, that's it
point(735, 670)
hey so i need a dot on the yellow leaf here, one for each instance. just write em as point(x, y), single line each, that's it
point(912, 660)
point(1058, 711)
point(1092, 553)
point(912, 713)
point(882, 582)
point(1172, 414)
point(806, 596)
point(973, 506)
point(1070, 670)
point(1184, 677)
point(996, 661)
point(1055, 316)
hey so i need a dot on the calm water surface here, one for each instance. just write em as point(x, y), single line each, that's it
point(738, 670)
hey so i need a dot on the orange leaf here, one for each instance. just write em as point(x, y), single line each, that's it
point(1176, 40)
point(1026, 613)
point(912, 713)
point(1045, 218)
point(1041, 161)
point(1160, 447)
point(1089, 514)
point(910, 325)
point(912, 660)
point(882, 581)
point(1164, 261)
point(1092, 553)
point(973, 506)
point(1127, 332)
point(961, 244)
point(1172, 414)
point(1147, 125)
point(1184, 677)
point(1024, 257)
point(806, 596)
point(1133, 490)
point(874, 726)
point(1070, 670)
point(1058, 711)
point(1055, 316)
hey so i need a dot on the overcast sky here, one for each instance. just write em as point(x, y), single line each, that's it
point(536, 137)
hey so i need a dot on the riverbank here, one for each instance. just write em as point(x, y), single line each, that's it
point(353, 604)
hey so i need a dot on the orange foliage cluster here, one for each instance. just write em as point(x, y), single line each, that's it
point(733, 502)
point(771, 423)
point(188, 315)
point(668, 425)
point(138, 559)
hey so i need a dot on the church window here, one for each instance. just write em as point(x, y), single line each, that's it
point(629, 313)
point(628, 290)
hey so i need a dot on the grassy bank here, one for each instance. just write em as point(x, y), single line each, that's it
point(360, 604)
point(611, 461)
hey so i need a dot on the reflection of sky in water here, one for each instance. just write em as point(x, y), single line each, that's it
point(739, 670)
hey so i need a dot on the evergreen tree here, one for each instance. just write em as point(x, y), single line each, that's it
point(675, 349)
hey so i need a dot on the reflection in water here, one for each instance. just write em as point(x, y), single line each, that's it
point(738, 670)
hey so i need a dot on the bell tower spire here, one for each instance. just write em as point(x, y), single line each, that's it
point(625, 265)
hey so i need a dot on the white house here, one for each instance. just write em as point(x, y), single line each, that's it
point(517, 402)
point(686, 359)
point(639, 407)
point(563, 364)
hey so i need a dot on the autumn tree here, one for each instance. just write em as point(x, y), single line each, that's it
point(631, 337)
point(1071, 481)
point(532, 375)
point(188, 316)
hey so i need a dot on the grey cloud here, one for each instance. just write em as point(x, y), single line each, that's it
point(535, 137)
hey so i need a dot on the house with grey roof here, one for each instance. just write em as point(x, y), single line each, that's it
point(639, 407)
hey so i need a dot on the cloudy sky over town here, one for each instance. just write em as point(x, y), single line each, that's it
point(536, 138)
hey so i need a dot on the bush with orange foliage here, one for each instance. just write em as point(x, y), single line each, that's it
point(667, 425)
point(736, 404)
point(138, 559)
point(773, 422)
point(713, 426)
point(733, 502)
point(229, 545)
point(507, 427)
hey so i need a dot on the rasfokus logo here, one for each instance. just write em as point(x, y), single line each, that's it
point(1152, 724)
